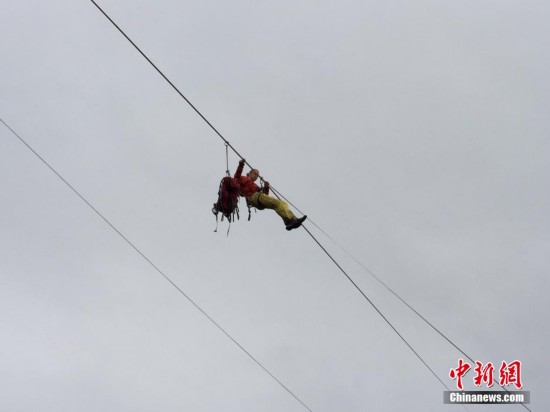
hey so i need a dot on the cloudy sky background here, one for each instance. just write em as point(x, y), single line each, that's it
point(415, 133)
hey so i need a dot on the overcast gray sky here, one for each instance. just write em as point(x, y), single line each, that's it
point(413, 132)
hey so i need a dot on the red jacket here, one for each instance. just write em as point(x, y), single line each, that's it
point(246, 186)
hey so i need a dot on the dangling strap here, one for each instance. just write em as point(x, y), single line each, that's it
point(249, 205)
point(216, 230)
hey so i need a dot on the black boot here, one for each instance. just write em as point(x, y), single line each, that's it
point(295, 223)
point(289, 223)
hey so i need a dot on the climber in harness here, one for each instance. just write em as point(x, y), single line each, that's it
point(260, 199)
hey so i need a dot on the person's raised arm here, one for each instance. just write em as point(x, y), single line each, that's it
point(240, 168)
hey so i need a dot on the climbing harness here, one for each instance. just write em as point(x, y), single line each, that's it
point(255, 205)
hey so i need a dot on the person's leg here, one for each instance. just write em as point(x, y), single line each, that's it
point(280, 207)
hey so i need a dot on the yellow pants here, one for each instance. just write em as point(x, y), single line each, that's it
point(262, 201)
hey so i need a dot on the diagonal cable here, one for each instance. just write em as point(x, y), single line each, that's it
point(166, 78)
point(374, 306)
point(279, 195)
point(217, 325)
point(228, 144)
point(238, 154)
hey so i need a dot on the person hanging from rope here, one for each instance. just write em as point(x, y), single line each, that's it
point(260, 199)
